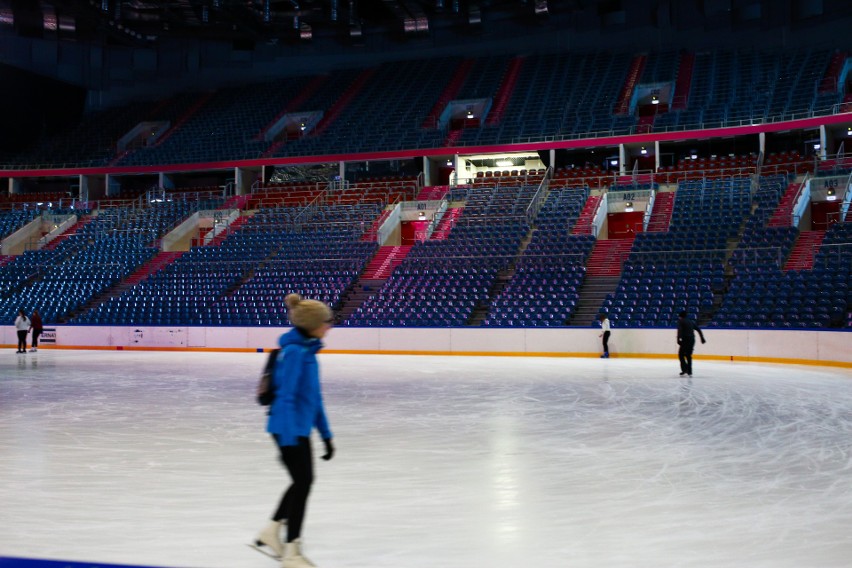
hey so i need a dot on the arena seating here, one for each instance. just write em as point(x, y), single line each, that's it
point(555, 95)
point(441, 282)
point(682, 268)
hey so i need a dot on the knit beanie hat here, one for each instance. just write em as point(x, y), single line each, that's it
point(307, 314)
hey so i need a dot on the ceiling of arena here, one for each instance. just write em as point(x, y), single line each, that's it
point(252, 21)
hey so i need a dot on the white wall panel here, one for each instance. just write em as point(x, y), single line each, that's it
point(782, 344)
point(487, 340)
point(834, 346)
point(414, 339)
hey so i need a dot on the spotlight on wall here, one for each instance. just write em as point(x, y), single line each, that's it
point(469, 113)
point(450, 163)
point(421, 216)
point(628, 207)
point(817, 146)
point(613, 162)
point(830, 194)
point(655, 100)
point(643, 151)
point(849, 131)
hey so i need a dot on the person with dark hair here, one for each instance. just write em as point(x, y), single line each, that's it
point(686, 329)
point(37, 328)
point(296, 410)
point(22, 325)
point(605, 333)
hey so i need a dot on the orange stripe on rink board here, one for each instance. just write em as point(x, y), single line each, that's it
point(730, 358)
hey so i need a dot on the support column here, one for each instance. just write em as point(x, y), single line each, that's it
point(427, 171)
point(166, 182)
point(762, 142)
point(622, 158)
point(823, 143)
point(656, 155)
point(244, 179)
point(14, 186)
point(552, 154)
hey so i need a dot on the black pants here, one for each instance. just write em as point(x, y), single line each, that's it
point(606, 342)
point(36, 333)
point(684, 353)
point(299, 462)
point(22, 340)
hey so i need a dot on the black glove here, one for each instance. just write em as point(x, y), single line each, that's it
point(329, 449)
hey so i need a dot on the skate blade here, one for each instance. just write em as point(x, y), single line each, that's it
point(265, 550)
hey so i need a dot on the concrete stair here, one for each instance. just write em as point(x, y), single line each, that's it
point(592, 295)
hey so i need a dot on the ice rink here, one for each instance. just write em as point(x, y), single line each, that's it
point(160, 458)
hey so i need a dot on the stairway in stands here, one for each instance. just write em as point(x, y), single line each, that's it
point(81, 222)
point(333, 112)
point(432, 192)
point(831, 80)
point(450, 91)
point(232, 228)
point(371, 235)
point(661, 216)
point(783, 214)
point(202, 100)
point(307, 91)
point(683, 83)
point(154, 265)
point(804, 250)
point(504, 92)
point(607, 257)
point(448, 221)
point(633, 75)
point(583, 226)
point(592, 296)
point(388, 258)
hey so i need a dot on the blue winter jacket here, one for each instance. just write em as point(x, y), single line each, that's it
point(297, 407)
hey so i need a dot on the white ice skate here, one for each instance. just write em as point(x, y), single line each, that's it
point(293, 556)
point(269, 541)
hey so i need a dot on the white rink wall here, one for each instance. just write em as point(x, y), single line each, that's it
point(791, 346)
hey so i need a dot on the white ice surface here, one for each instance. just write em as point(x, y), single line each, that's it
point(457, 462)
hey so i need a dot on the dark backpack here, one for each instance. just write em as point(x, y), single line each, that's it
point(266, 387)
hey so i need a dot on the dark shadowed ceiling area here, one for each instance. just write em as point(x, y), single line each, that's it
point(247, 22)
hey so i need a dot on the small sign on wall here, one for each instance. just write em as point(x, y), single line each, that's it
point(48, 336)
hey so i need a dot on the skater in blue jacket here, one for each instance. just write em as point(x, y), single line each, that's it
point(295, 412)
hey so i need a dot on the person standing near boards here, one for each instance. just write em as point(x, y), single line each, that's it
point(22, 325)
point(605, 333)
point(37, 328)
point(686, 329)
point(295, 411)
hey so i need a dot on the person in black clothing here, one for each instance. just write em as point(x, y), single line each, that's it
point(686, 329)
point(37, 328)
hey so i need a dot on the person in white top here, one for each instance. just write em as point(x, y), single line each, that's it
point(605, 334)
point(22, 324)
